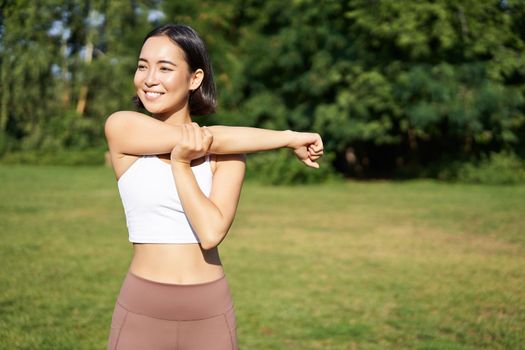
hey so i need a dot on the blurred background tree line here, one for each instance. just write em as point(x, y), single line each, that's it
point(396, 88)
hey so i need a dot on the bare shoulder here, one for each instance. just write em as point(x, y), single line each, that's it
point(123, 114)
point(114, 126)
point(118, 119)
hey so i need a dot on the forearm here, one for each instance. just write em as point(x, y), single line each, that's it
point(308, 147)
point(238, 139)
point(204, 216)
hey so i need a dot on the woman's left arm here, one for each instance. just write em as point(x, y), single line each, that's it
point(211, 217)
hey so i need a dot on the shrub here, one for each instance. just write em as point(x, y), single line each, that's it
point(497, 169)
point(503, 168)
point(283, 168)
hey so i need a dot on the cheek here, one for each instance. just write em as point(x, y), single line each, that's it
point(171, 80)
point(177, 80)
point(137, 79)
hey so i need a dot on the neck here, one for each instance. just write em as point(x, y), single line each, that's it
point(179, 117)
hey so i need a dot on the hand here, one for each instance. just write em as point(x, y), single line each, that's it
point(307, 146)
point(195, 143)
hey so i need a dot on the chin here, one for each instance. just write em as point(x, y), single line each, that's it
point(152, 108)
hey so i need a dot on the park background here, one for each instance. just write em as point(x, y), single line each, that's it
point(409, 236)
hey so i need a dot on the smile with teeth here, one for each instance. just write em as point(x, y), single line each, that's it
point(153, 94)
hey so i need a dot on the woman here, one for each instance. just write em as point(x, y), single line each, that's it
point(180, 185)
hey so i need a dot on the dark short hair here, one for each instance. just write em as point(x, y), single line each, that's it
point(203, 99)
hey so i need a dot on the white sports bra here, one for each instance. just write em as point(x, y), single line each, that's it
point(154, 212)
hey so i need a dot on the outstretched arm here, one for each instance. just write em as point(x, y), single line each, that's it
point(308, 147)
point(135, 133)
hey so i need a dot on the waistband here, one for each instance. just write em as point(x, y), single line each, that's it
point(177, 302)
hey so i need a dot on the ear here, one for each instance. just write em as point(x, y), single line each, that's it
point(196, 79)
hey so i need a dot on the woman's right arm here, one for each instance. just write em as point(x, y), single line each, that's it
point(135, 133)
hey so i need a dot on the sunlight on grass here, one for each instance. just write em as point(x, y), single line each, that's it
point(380, 265)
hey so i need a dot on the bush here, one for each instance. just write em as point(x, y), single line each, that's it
point(497, 169)
point(283, 168)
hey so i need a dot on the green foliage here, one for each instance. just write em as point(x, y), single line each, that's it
point(56, 55)
point(426, 81)
point(27, 53)
point(497, 169)
point(65, 132)
point(283, 168)
point(503, 168)
point(395, 82)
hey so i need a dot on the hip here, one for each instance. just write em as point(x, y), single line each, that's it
point(155, 315)
point(172, 301)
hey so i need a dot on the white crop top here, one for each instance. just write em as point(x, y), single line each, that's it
point(154, 212)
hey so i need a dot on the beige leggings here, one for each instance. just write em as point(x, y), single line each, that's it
point(153, 315)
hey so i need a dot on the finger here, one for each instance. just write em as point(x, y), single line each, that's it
point(191, 136)
point(184, 136)
point(314, 147)
point(313, 150)
point(207, 137)
point(311, 164)
point(318, 144)
point(314, 155)
point(206, 132)
point(198, 137)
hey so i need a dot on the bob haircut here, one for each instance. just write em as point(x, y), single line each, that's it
point(203, 99)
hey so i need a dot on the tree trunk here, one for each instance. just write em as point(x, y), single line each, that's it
point(82, 97)
point(66, 98)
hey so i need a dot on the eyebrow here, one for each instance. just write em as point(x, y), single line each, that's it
point(161, 61)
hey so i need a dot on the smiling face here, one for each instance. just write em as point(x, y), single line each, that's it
point(163, 79)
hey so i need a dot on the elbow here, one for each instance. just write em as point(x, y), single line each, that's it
point(206, 245)
point(211, 240)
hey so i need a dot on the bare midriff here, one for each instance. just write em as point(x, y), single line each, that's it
point(176, 263)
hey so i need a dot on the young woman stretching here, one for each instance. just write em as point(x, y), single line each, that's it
point(180, 185)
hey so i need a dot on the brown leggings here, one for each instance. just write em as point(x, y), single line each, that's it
point(154, 315)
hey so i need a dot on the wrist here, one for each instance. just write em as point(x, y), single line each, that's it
point(177, 163)
point(290, 136)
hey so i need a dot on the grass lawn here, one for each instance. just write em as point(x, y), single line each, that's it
point(379, 265)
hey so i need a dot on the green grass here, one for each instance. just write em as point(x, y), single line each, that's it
point(380, 265)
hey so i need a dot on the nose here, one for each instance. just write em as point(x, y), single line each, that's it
point(151, 78)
